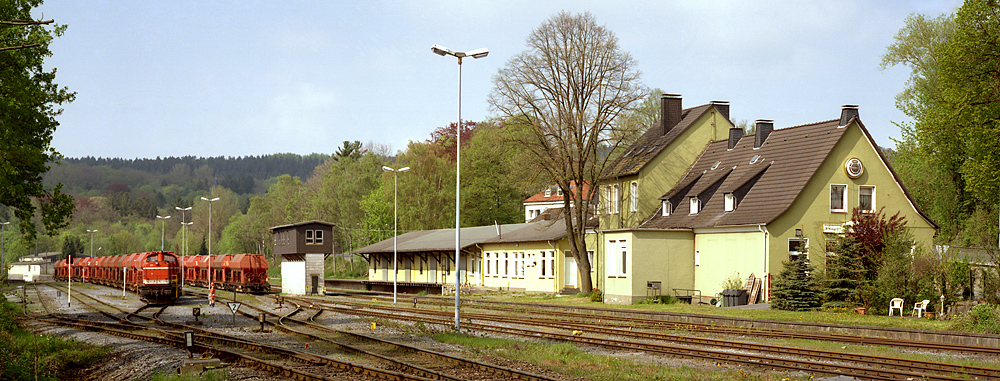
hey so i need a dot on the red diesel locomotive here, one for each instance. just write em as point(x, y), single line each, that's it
point(155, 276)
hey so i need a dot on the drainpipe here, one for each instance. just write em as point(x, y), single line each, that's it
point(555, 285)
point(763, 295)
point(479, 268)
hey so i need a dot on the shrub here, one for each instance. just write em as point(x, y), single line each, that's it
point(732, 283)
point(596, 295)
point(984, 318)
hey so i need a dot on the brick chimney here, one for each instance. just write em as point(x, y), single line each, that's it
point(723, 107)
point(735, 134)
point(764, 128)
point(670, 112)
point(848, 112)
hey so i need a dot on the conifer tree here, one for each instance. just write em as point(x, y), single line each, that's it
point(794, 289)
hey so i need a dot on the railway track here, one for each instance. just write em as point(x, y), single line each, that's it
point(408, 355)
point(604, 317)
point(873, 367)
point(281, 361)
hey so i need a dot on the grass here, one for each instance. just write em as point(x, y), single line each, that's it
point(22, 352)
point(824, 317)
point(566, 359)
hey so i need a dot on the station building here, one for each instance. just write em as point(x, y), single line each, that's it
point(303, 248)
point(692, 202)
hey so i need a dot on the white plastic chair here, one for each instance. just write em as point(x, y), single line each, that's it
point(896, 304)
point(920, 307)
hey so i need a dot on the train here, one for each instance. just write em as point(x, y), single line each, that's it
point(234, 272)
point(155, 276)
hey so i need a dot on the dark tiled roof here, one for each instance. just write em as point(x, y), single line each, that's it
point(651, 144)
point(788, 158)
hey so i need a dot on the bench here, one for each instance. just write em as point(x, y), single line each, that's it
point(687, 295)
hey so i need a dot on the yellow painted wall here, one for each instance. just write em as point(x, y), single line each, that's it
point(652, 255)
point(662, 173)
point(811, 211)
point(726, 252)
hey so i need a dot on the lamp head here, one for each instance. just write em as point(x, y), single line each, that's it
point(404, 169)
point(441, 50)
point(478, 53)
point(387, 169)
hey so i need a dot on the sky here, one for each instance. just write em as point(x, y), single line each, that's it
point(238, 78)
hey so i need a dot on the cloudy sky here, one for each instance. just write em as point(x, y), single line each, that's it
point(235, 78)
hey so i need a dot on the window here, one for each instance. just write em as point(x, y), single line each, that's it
point(730, 202)
point(309, 237)
point(838, 198)
point(421, 261)
point(624, 253)
point(548, 192)
point(541, 272)
point(697, 257)
point(318, 237)
point(559, 192)
point(614, 199)
point(695, 205)
point(521, 269)
point(866, 198)
point(634, 197)
point(590, 258)
point(506, 264)
point(607, 200)
point(552, 264)
point(797, 246)
point(665, 207)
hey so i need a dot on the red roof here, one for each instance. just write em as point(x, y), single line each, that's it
point(553, 193)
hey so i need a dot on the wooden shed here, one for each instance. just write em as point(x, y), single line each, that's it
point(303, 247)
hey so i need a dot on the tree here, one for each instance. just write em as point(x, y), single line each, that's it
point(569, 88)
point(72, 245)
point(29, 100)
point(794, 288)
point(350, 150)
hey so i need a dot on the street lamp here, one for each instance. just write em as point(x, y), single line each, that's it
point(210, 201)
point(163, 229)
point(3, 258)
point(395, 222)
point(183, 269)
point(478, 53)
point(184, 240)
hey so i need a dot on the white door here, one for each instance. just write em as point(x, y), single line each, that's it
point(432, 270)
point(407, 261)
point(385, 269)
point(570, 273)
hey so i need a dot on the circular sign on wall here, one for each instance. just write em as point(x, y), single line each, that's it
point(854, 168)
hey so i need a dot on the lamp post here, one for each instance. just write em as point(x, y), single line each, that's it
point(163, 228)
point(184, 240)
point(3, 258)
point(183, 269)
point(395, 222)
point(478, 53)
point(210, 201)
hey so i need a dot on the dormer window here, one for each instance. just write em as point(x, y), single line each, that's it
point(754, 159)
point(559, 192)
point(695, 205)
point(548, 192)
point(730, 202)
point(665, 206)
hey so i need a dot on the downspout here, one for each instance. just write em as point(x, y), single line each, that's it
point(555, 285)
point(480, 265)
point(764, 285)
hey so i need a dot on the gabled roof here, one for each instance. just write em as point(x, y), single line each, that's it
point(303, 223)
point(791, 156)
point(553, 194)
point(651, 144)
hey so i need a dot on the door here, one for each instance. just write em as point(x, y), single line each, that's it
point(407, 264)
point(570, 273)
point(432, 269)
point(315, 284)
point(385, 270)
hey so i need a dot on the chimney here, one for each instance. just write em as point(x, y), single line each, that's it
point(764, 128)
point(723, 107)
point(670, 112)
point(735, 134)
point(847, 112)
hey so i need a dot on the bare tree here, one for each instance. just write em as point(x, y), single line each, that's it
point(565, 93)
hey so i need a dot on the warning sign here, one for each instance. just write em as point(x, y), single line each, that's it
point(235, 306)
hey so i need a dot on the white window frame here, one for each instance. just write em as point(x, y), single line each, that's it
point(871, 208)
point(611, 262)
point(634, 197)
point(552, 264)
point(730, 202)
point(624, 257)
point(541, 269)
point(607, 200)
point(843, 198)
point(665, 206)
point(506, 264)
point(615, 198)
point(695, 205)
point(523, 260)
point(318, 237)
point(805, 247)
point(309, 237)
point(590, 257)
